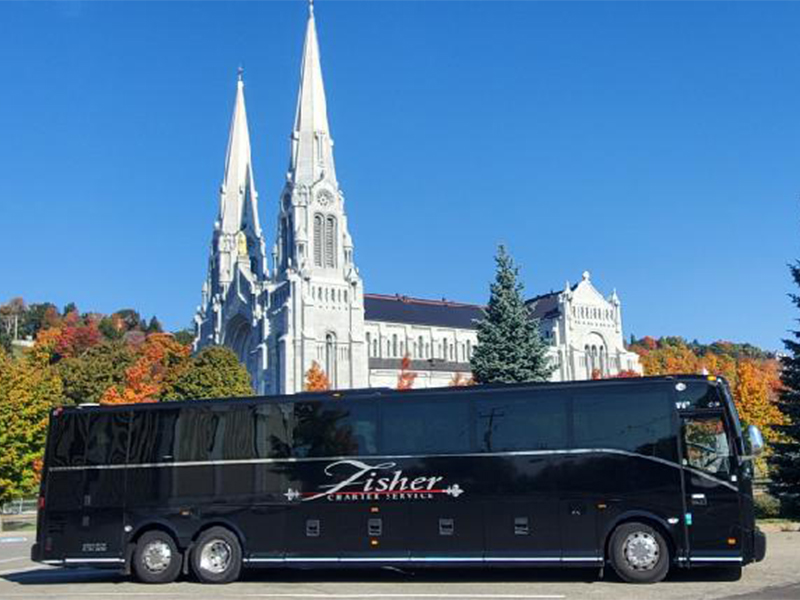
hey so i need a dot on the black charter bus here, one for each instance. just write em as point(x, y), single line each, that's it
point(640, 474)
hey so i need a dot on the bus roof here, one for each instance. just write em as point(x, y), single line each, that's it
point(388, 392)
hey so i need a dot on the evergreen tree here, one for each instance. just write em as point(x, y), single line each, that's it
point(509, 348)
point(785, 458)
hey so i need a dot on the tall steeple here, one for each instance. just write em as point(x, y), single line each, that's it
point(317, 306)
point(312, 149)
point(238, 197)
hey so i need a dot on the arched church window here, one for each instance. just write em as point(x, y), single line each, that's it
point(376, 348)
point(421, 347)
point(394, 344)
point(330, 358)
point(318, 233)
point(402, 352)
point(369, 344)
point(330, 242)
point(469, 349)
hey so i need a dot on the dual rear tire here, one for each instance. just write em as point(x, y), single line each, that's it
point(216, 557)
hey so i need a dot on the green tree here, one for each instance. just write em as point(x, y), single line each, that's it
point(214, 372)
point(87, 377)
point(184, 336)
point(29, 388)
point(5, 341)
point(785, 458)
point(36, 318)
point(154, 326)
point(509, 348)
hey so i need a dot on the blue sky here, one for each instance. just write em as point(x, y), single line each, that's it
point(654, 144)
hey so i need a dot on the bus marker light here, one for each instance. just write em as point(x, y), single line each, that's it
point(672, 520)
point(712, 377)
point(374, 509)
point(373, 542)
point(41, 502)
point(688, 518)
point(602, 506)
point(731, 541)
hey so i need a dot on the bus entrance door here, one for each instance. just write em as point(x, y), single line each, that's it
point(712, 497)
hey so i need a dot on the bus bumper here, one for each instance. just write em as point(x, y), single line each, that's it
point(759, 545)
point(36, 555)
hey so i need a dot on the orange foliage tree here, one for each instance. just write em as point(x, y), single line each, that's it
point(160, 360)
point(755, 395)
point(316, 380)
point(460, 380)
point(753, 375)
point(406, 377)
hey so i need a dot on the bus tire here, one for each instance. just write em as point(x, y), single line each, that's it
point(639, 553)
point(217, 556)
point(156, 558)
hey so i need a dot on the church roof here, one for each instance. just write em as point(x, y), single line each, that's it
point(417, 311)
point(544, 306)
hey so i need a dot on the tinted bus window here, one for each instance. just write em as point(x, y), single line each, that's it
point(153, 436)
point(106, 438)
point(637, 420)
point(334, 429)
point(426, 427)
point(273, 427)
point(68, 443)
point(535, 422)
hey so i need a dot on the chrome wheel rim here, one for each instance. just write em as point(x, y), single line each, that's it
point(156, 556)
point(215, 556)
point(641, 551)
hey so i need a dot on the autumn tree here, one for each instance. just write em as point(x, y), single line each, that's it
point(160, 362)
point(510, 348)
point(785, 458)
point(215, 372)
point(754, 397)
point(87, 377)
point(316, 380)
point(406, 377)
point(29, 388)
point(461, 380)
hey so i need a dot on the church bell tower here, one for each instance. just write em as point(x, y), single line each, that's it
point(317, 304)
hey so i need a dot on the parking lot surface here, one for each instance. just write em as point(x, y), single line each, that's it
point(777, 578)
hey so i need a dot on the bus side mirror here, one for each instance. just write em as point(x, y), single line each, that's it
point(756, 440)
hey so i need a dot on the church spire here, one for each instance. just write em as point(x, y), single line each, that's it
point(312, 154)
point(238, 210)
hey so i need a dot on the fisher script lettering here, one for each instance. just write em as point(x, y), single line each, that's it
point(381, 481)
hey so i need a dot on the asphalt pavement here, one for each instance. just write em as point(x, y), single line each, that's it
point(776, 578)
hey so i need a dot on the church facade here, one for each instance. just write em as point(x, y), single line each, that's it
point(307, 303)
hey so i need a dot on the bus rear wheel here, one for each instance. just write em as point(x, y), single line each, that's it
point(217, 556)
point(156, 558)
point(639, 553)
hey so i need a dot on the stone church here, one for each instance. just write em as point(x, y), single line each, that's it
point(307, 302)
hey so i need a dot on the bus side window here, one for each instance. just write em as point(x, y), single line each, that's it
point(68, 443)
point(273, 424)
point(637, 419)
point(706, 445)
point(334, 429)
point(106, 439)
point(533, 422)
point(153, 436)
point(426, 427)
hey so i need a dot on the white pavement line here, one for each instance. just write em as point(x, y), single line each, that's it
point(320, 596)
point(11, 540)
point(15, 558)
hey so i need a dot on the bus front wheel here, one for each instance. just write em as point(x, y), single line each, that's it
point(639, 553)
point(156, 558)
point(217, 556)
